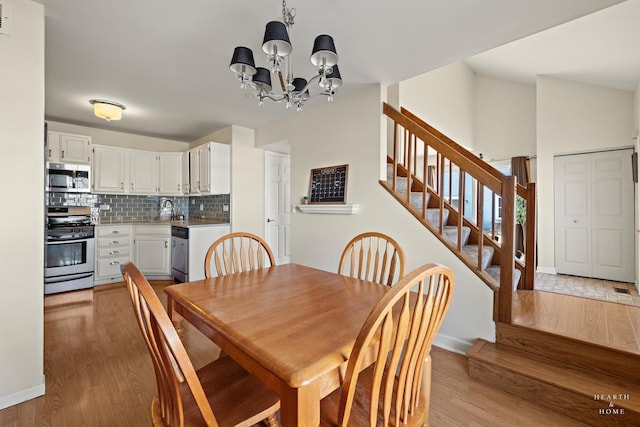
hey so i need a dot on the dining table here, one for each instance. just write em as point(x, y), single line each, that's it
point(291, 326)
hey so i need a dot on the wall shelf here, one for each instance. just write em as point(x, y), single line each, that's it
point(330, 209)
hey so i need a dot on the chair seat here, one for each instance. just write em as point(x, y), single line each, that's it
point(232, 393)
point(360, 410)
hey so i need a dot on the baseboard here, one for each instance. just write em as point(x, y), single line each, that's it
point(546, 270)
point(23, 395)
point(452, 344)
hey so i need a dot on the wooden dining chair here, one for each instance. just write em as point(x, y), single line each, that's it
point(237, 252)
point(187, 397)
point(373, 256)
point(397, 337)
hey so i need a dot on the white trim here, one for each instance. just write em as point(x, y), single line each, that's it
point(546, 270)
point(330, 209)
point(453, 344)
point(23, 395)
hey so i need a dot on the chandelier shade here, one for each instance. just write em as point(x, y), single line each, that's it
point(276, 39)
point(277, 46)
point(324, 52)
point(242, 61)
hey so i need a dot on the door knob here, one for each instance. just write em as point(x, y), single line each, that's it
point(270, 220)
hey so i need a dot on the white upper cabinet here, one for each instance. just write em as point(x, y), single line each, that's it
point(185, 173)
point(143, 172)
point(210, 166)
point(109, 167)
point(68, 148)
point(170, 173)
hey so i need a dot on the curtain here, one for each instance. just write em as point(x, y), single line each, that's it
point(520, 169)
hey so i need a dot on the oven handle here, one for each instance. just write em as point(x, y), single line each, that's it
point(67, 278)
point(73, 240)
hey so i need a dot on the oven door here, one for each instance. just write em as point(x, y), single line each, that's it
point(69, 257)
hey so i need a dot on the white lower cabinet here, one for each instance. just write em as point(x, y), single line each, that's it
point(113, 248)
point(152, 250)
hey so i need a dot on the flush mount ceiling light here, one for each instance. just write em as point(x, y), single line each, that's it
point(107, 110)
point(277, 46)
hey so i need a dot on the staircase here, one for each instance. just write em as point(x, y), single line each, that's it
point(428, 174)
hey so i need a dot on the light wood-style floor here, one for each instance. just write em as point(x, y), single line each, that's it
point(98, 373)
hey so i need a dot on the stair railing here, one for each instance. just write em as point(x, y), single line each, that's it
point(418, 151)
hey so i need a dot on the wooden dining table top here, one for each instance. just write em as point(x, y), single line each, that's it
point(291, 326)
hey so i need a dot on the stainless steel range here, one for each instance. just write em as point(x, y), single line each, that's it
point(70, 246)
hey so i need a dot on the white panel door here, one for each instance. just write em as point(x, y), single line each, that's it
point(594, 208)
point(278, 205)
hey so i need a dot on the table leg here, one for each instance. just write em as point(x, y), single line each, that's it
point(300, 407)
point(176, 319)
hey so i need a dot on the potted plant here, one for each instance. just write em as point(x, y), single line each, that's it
point(305, 200)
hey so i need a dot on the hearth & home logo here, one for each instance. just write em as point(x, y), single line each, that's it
point(611, 400)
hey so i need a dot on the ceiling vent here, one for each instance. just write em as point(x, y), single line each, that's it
point(5, 18)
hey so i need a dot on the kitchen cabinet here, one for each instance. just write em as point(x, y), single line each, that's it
point(109, 170)
point(143, 172)
point(152, 250)
point(185, 173)
point(113, 248)
point(68, 148)
point(210, 169)
point(170, 173)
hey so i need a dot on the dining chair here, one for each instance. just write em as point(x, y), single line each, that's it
point(237, 252)
point(373, 256)
point(187, 397)
point(397, 338)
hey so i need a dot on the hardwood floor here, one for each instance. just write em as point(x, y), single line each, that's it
point(607, 323)
point(98, 373)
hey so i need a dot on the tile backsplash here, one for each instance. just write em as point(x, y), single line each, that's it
point(123, 207)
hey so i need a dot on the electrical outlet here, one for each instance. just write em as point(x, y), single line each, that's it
point(225, 208)
point(201, 206)
point(193, 201)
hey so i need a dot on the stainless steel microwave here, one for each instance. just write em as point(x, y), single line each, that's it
point(68, 178)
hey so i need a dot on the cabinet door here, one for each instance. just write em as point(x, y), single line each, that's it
point(194, 171)
point(220, 170)
point(53, 146)
point(204, 166)
point(143, 172)
point(75, 148)
point(152, 255)
point(170, 173)
point(108, 170)
point(185, 173)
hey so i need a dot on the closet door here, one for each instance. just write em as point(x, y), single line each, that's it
point(594, 209)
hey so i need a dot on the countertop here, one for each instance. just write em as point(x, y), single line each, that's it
point(152, 221)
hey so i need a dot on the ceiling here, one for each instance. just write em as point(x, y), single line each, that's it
point(600, 49)
point(168, 62)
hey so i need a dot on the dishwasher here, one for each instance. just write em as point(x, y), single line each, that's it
point(180, 253)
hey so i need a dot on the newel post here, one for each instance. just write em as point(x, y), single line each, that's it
point(507, 248)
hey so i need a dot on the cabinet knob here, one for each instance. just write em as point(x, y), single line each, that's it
point(115, 242)
point(114, 252)
point(115, 232)
point(114, 263)
point(63, 154)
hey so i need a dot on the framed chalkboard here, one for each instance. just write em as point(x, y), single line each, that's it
point(328, 185)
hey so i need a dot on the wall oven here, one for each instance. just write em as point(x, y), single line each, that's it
point(70, 248)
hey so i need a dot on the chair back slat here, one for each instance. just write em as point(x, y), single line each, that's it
point(240, 252)
point(373, 256)
point(170, 359)
point(400, 329)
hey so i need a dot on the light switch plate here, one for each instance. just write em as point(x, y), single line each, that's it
point(5, 18)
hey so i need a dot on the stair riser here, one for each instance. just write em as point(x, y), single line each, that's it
point(570, 403)
point(582, 354)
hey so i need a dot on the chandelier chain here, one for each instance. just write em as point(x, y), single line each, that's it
point(288, 14)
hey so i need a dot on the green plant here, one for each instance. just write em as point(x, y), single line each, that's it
point(521, 210)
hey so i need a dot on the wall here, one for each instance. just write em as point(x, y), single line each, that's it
point(444, 99)
point(119, 139)
point(22, 216)
point(571, 118)
point(504, 118)
point(355, 136)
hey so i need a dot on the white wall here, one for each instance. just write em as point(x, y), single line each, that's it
point(504, 118)
point(119, 139)
point(21, 254)
point(444, 99)
point(571, 118)
point(349, 130)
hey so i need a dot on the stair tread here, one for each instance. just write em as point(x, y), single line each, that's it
point(450, 232)
point(487, 254)
point(556, 373)
point(494, 272)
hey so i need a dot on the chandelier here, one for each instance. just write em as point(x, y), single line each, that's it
point(277, 46)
